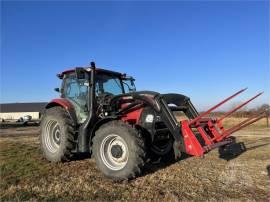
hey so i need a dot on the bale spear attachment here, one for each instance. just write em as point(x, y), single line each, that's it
point(210, 131)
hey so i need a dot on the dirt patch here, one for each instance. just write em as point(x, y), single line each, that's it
point(25, 175)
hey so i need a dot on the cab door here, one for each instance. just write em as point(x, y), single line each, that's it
point(76, 91)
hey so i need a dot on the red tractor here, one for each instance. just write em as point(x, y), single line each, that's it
point(101, 113)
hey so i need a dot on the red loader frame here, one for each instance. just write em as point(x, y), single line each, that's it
point(211, 130)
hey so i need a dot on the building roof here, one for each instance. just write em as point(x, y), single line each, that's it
point(23, 107)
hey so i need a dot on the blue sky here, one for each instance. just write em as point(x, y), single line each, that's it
point(204, 49)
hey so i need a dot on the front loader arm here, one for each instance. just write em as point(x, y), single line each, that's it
point(210, 131)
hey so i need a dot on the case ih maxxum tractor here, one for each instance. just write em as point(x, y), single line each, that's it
point(101, 113)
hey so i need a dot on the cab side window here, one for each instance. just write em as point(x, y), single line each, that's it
point(76, 90)
point(71, 87)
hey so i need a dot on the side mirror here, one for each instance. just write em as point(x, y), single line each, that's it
point(132, 81)
point(80, 73)
point(57, 90)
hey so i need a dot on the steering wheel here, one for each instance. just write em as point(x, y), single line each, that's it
point(102, 97)
point(107, 94)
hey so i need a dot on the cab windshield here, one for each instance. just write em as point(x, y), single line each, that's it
point(108, 84)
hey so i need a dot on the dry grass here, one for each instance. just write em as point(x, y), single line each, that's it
point(25, 175)
point(262, 123)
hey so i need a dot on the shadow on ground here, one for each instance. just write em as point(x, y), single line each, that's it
point(268, 170)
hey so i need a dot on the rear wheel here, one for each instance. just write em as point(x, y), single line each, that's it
point(119, 150)
point(57, 135)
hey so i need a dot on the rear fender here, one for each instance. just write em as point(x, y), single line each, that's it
point(62, 102)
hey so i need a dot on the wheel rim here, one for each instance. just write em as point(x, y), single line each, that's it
point(114, 152)
point(52, 136)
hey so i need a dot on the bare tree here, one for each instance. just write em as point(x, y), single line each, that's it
point(263, 107)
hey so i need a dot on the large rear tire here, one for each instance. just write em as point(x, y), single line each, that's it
point(57, 135)
point(119, 150)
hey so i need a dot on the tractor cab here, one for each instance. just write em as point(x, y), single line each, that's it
point(76, 83)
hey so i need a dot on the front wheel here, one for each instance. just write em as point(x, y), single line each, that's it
point(162, 151)
point(119, 150)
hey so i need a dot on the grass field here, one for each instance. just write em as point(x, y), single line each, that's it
point(262, 123)
point(25, 175)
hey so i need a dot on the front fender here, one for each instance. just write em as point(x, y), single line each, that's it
point(99, 123)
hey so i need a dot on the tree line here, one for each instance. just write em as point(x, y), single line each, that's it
point(245, 112)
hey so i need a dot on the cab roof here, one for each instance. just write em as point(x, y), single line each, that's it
point(105, 71)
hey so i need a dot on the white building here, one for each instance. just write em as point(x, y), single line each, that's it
point(14, 111)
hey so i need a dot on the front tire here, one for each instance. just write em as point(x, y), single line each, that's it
point(57, 135)
point(119, 150)
point(162, 152)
